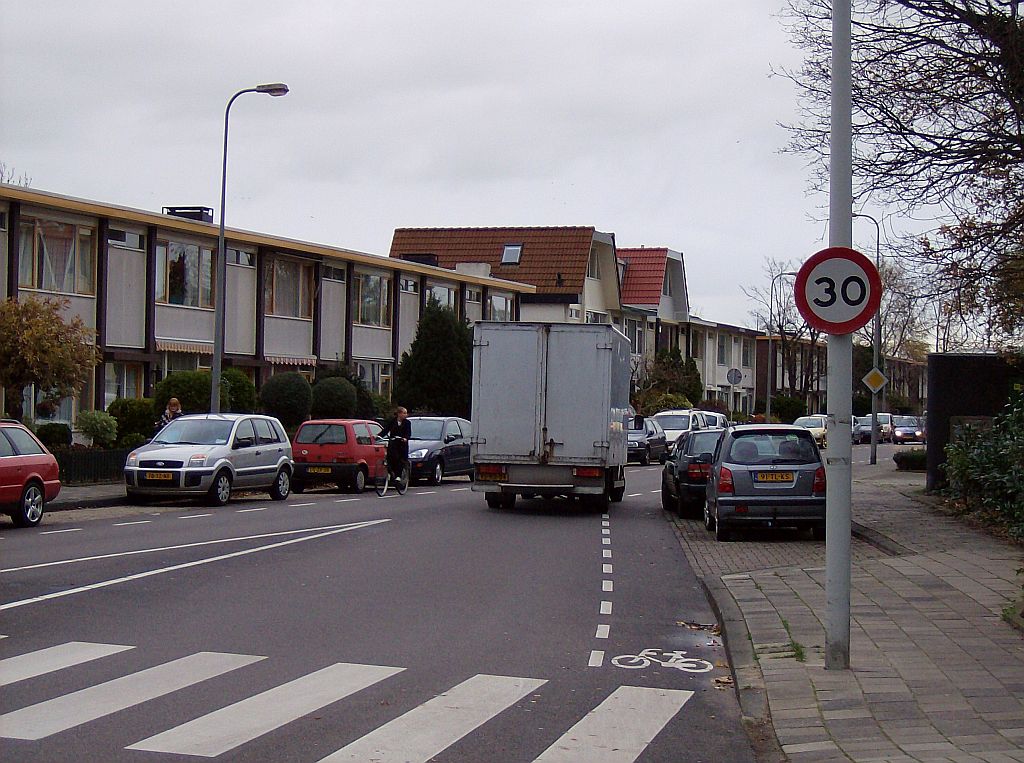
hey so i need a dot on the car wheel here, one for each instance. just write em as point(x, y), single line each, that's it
point(663, 457)
point(645, 457)
point(683, 508)
point(709, 522)
point(220, 490)
point(298, 487)
point(666, 498)
point(29, 512)
point(721, 534)
point(438, 473)
point(282, 486)
point(358, 483)
point(818, 533)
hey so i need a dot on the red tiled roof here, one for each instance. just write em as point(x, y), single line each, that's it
point(553, 259)
point(645, 275)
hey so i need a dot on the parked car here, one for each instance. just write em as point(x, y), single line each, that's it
point(907, 429)
point(646, 441)
point(439, 446)
point(885, 427)
point(861, 429)
point(29, 475)
point(212, 454)
point(344, 452)
point(678, 421)
point(715, 419)
point(685, 477)
point(816, 424)
point(765, 476)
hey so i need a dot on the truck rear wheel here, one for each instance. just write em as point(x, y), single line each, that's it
point(616, 493)
point(500, 500)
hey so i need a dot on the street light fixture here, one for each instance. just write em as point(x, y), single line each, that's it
point(770, 373)
point(876, 342)
point(275, 89)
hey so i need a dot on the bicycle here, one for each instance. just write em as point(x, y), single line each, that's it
point(401, 481)
point(674, 660)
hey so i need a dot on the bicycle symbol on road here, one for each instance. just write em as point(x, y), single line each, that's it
point(674, 659)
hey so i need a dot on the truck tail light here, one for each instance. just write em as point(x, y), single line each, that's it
point(725, 480)
point(819, 481)
point(491, 472)
point(588, 471)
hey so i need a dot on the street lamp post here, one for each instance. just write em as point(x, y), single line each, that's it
point(876, 342)
point(275, 89)
point(770, 372)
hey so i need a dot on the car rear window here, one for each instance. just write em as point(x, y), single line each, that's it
point(322, 434)
point(426, 429)
point(703, 442)
point(674, 422)
point(6, 449)
point(760, 449)
point(24, 443)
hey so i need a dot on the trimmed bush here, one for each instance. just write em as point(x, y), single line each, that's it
point(132, 440)
point(238, 393)
point(787, 408)
point(192, 388)
point(99, 425)
point(333, 398)
point(913, 460)
point(287, 396)
point(54, 435)
point(652, 401)
point(134, 416)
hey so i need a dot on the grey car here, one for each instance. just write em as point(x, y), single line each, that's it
point(765, 476)
point(212, 454)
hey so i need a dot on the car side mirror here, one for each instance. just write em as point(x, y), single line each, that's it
point(703, 458)
point(450, 438)
point(243, 442)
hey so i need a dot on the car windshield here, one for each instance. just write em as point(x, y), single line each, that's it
point(674, 422)
point(426, 429)
point(703, 442)
point(808, 421)
point(904, 421)
point(772, 448)
point(322, 434)
point(195, 432)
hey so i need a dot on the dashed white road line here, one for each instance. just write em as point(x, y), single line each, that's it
point(605, 531)
point(195, 516)
point(136, 522)
point(346, 500)
point(603, 631)
point(427, 492)
point(300, 505)
point(243, 511)
point(606, 569)
point(655, 491)
point(606, 607)
point(54, 532)
point(607, 553)
point(596, 658)
point(457, 489)
point(606, 541)
point(607, 585)
point(634, 495)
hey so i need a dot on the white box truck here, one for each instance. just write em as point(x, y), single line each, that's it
point(550, 411)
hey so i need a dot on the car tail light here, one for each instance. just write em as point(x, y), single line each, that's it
point(588, 471)
point(741, 509)
point(698, 471)
point(819, 480)
point(725, 480)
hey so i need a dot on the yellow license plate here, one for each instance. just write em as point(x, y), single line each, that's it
point(319, 470)
point(775, 476)
point(159, 476)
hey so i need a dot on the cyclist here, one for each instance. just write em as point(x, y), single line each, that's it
point(398, 431)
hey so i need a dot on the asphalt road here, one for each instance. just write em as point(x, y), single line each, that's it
point(421, 627)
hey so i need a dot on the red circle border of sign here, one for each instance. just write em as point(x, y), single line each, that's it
point(873, 303)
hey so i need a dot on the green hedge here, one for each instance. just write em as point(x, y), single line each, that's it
point(134, 416)
point(913, 460)
point(54, 435)
point(287, 396)
point(333, 398)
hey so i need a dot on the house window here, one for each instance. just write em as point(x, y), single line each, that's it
point(126, 239)
point(473, 295)
point(373, 300)
point(748, 353)
point(593, 266)
point(289, 289)
point(443, 295)
point(500, 308)
point(595, 317)
point(635, 332)
point(376, 375)
point(410, 285)
point(238, 257)
point(697, 344)
point(574, 312)
point(57, 257)
point(184, 274)
point(122, 380)
point(511, 253)
point(331, 273)
point(723, 349)
point(666, 285)
point(3, 220)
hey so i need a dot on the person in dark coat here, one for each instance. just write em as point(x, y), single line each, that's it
point(399, 432)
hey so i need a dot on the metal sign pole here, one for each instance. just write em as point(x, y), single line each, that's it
point(838, 455)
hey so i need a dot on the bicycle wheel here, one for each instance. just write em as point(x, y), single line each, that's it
point(382, 484)
point(630, 661)
point(692, 665)
point(402, 482)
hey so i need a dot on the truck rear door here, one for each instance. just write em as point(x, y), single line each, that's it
point(578, 392)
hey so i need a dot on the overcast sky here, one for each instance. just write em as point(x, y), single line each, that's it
point(655, 120)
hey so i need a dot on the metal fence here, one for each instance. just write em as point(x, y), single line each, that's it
point(79, 466)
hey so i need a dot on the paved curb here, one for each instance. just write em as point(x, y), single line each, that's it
point(879, 541)
point(746, 672)
point(69, 504)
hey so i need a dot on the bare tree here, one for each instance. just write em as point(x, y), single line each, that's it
point(902, 311)
point(939, 129)
point(10, 175)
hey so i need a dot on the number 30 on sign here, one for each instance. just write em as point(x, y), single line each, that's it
point(838, 290)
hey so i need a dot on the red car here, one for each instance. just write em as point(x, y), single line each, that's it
point(339, 451)
point(29, 476)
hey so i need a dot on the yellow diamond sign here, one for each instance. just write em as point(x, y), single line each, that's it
point(874, 380)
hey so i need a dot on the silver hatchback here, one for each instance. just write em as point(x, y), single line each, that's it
point(766, 476)
point(213, 454)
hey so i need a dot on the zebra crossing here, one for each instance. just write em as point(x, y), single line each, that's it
point(616, 731)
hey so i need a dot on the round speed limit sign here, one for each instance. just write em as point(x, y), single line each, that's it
point(838, 290)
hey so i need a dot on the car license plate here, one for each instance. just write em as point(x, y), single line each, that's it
point(773, 477)
point(163, 476)
point(319, 470)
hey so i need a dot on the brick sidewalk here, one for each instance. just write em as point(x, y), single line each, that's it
point(936, 675)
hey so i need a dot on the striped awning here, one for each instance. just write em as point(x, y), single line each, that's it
point(289, 360)
point(177, 345)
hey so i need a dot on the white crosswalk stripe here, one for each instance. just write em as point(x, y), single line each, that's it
point(619, 729)
point(70, 710)
point(437, 724)
point(236, 724)
point(43, 661)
